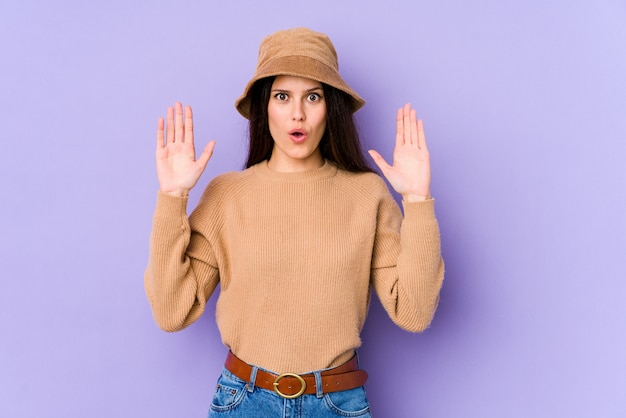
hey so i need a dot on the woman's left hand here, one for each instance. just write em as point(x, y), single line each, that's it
point(410, 173)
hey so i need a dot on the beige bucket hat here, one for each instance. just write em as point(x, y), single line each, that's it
point(298, 52)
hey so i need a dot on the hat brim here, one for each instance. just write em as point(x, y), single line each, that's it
point(298, 66)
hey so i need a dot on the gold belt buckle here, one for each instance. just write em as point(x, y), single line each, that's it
point(297, 376)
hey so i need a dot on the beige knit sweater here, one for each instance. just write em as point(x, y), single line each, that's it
point(296, 255)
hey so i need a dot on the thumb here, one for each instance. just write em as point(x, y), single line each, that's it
point(379, 160)
point(206, 154)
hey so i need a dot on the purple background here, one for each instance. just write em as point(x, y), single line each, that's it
point(525, 112)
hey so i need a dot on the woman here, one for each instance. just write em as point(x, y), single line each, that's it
point(296, 240)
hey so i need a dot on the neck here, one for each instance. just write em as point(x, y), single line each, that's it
point(295, 166)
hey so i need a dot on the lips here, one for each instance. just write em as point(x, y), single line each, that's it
point(298, 135)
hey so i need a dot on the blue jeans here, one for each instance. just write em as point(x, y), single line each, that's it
point(235, 398)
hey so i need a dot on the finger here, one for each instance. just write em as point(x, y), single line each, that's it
point(160, 124)
point(421, 135)
point(406, 114)
point(206, 154)
point(169, 132)
point(188, 127)
point(399, 128)
point(178, 123)
point(414, 133)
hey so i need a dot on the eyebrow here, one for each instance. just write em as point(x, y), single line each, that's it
point(306, 91)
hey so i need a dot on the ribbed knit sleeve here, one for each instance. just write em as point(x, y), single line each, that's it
point(407, 269)
point(177, 285)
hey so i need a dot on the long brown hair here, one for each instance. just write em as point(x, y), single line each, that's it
point(340, 143)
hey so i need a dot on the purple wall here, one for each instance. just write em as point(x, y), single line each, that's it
point(525, 112)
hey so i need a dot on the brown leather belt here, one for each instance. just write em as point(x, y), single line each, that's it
point(291, 385)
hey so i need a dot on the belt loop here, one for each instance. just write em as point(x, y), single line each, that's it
point(356, 353)
point(319, 390)
point(251, 383)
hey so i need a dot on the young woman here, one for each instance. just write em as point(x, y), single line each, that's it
point(296, 240)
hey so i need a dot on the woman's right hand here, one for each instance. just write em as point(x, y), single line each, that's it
point(178, 170)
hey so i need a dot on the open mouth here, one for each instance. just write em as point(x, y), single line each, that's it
point(298, 135)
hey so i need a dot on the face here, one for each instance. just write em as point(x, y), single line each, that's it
point(297, 121)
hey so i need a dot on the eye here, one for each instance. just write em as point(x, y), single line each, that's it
point(314, 97)
point(281, 96)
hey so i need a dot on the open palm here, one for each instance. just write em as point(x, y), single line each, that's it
point(177, 168)
point(410, 173)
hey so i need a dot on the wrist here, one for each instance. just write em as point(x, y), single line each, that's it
point(176, 193)
point(415, 197)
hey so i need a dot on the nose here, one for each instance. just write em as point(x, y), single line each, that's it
point(297, 111)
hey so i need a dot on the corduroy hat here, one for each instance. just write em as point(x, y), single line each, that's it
point(298, 52)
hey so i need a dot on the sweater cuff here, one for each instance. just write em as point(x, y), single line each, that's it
point(419, 211)
point(168, 206)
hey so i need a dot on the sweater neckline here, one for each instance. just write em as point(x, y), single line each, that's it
point(325, 171)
